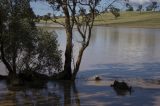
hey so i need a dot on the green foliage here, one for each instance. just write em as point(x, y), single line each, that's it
point(140, 7)
point(23, 46)
point(129, 7)
point(3, 15)
point(49, 56)
point(152, 6)
point(149, 8)
point(155, 5)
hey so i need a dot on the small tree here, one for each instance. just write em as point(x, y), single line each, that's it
point(115, 11)
point(155, 5)
point(129, 7)
point(149, 8)
point(152, 7)
point(140, 8)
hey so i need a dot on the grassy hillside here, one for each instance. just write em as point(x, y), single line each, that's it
point(131, 19)
point(127, 19)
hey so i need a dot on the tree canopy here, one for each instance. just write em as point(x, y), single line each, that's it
point(23, 47)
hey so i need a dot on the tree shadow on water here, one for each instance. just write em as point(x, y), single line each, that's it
point(70, 91)
point(54, 93)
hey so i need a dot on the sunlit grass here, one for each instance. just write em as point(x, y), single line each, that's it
point(61, 20)
point(137, 19)
point(130, 19)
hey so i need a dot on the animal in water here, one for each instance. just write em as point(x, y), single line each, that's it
point(121, 86)
point(97, 78)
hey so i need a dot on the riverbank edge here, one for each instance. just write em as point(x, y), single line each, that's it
point(53, 25)
point(128, 26)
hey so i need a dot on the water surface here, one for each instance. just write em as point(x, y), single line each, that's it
point(128, 54)
point(123, 52)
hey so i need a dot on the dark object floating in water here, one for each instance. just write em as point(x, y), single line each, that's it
point(121, 88)
point(97, 78)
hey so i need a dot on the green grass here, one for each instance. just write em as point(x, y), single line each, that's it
point(130, 19)
point(50, 21)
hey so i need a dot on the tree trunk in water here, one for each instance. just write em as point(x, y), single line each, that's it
point(68, 52)
point(12, 76)
point(78, 62)
point(12, 73)
point(4, 60)
point(81, 51)
point(67, 93)
point(68, 58)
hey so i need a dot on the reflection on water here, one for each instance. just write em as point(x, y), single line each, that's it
point(123, 46)
point(120, 52)
point(114, 45)
point(124, 71)
point(80, 93)
point(52, 94)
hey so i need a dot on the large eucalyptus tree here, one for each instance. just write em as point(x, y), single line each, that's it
point(80, 14)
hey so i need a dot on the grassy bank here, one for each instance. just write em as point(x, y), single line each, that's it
point(126, 19)
point(130, 19)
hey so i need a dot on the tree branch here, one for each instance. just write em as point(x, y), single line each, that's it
point(55, 21)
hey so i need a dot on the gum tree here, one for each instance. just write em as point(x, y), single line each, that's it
point(80, 14)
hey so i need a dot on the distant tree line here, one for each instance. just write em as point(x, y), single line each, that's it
point(152, 6)
point(115, 10)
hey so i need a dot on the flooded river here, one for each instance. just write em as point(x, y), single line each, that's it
point(114, 53)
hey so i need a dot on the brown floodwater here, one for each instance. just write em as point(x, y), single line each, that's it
point(125, 54)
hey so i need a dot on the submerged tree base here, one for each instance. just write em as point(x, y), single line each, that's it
point(33, 79)
point(61, 76)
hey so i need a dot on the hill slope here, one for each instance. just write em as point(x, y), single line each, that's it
point(130, 19)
